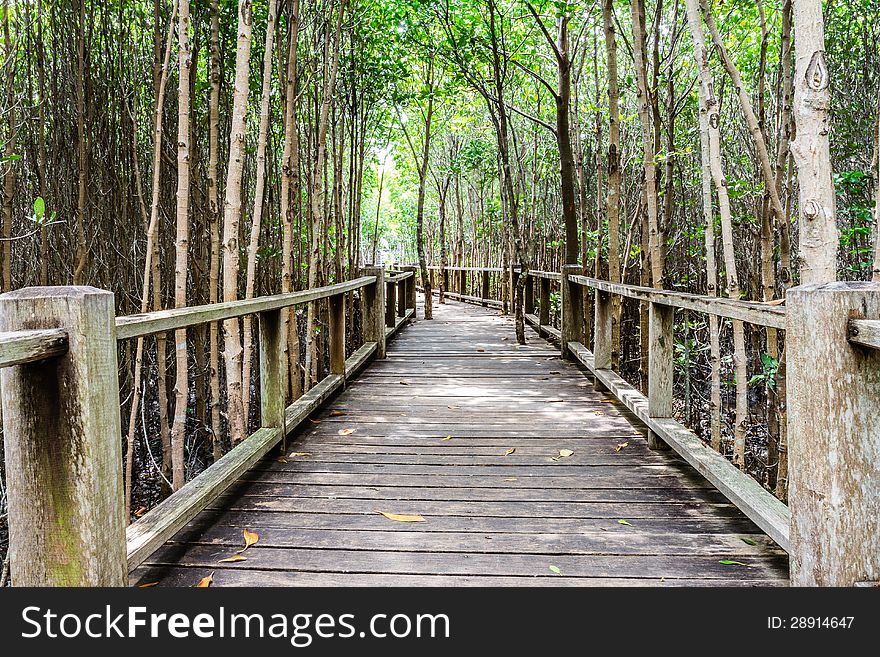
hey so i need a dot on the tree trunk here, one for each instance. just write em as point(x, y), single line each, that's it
point(290, 199)
point(259, 195)
point(231, 219)
point(612, 200)
point(181, 384)
point(709, 106)
point(655, 239)
point(812, 101)
point(331, 65)
point(214, 227)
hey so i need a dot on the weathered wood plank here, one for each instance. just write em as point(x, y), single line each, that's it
point(331, 519)
point(833, 436)
point(20, 347)
point(596, 542)
point(499, 564)
point(865, 332)
point(135, 326)
point(62, 448)
point(183, 576)
point(754, 313)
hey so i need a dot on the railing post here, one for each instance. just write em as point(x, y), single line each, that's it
point(572, 321)
point(400, 293)
point(544, 298)
point(530, 296)
point(484, 293)
point(337, 334)
point(660, 366)
point(462, 283)
point(602, 336)
point(273, 372)
point(63, 450)
point(390, 304)
point(833, 436)
point(374, 309)
point(410, 288)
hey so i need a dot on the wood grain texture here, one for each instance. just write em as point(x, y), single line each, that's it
point(62, 445)
point(135, 326)
point(20, 347)
point(833, 436)
point(747, 311)
point(661, 358)
point(465, 427)
point(865, 332)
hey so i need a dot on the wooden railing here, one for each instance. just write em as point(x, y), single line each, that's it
point(61, 417)
point(831, 526)
point(458, 283)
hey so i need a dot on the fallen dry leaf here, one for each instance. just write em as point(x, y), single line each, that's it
point(598, 412)
point(775, 302)
point(621, 446)
point(452, 408)
point(510, 478)
point(294, 455)
point(606, 401)
point(563, 454)
point(624, 522)
point(403, 517)
point(481, 350)
point(403, 383)
point(146, 586)
point(510, 451)
point(233, 559)
point(314, 421)
point(447, 438)
point(281, 460)
point(346, 432)
point(138, 512)
point(250, 538)
point(337, 413)
point(205, 582)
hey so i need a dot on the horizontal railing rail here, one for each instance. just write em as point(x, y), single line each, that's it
point(163, 321)
point(864, 332)
point(450, 268)
point(759, 314)
point(20, 347)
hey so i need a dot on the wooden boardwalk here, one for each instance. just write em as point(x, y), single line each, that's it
point(464, 427)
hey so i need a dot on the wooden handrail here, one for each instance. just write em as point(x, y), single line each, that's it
point(747, 311)
point(399, 276)
point(19, 347)
point(450, 268)
point(864, 332)
point(549, 275)
point(135, 326)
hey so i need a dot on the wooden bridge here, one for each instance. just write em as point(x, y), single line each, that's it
point(452, 455)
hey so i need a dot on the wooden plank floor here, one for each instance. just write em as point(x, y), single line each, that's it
point(493, 516)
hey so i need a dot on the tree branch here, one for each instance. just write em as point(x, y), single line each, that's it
point(546, 33)
point(537, 77)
